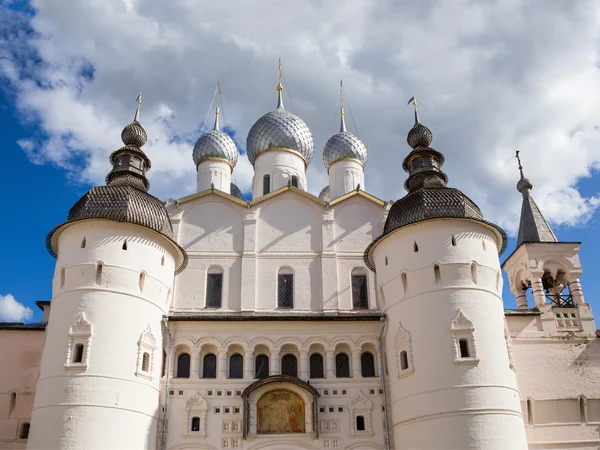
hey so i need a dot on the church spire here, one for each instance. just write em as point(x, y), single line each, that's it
point(533, 227)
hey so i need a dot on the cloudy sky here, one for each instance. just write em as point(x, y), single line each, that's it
point(491, 77)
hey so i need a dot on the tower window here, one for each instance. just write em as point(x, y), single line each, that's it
point(209, 366)
point(436, 274)
point(183, 366)
point(24, 434)
point(236, 366)
point(474, 272)
point(266, 184)
point(403, 360)
point(404, 282)
point(342, 366)
point(464, 348)
point(195, 423)
point(360, 423)
point(78, 356)
point(145, 361)
point(83, 242)
point(12, 403)
point(99, 273)
point(367, 364)
point(289, 365)
point(124, 245)
point(285, 290)
point(294, 181)
point(415, 247)
point(360, 297)
point(453, 240)
point(214, 290)
point(142, 280)
point(261, 366)
point(62, 277)
point(162, 260)
point(316, 366)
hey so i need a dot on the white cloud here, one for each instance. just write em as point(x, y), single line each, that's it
point(13, 311)
point(491, 77)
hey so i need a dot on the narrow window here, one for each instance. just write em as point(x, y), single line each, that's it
point(124, 245)
point(386, 260)
point(209, 366)
point(367, 365)
point(294, 181)
point(146, 362)
point(360, 297)
point(62, 277)
point(285, 291)
point(266, 184)
point(415, 247)
point(582, 410)
point(530, 420)
point(403, 360)
point(83, 242)
point(261, 366)
point(342, 366)
point(99, 274)
point(453, 241)
point(214, 290)
point(195, 423)
point(436, 273)
point(78, 354)
point(142, 281)
point(164, 364)
point(404, 282)
point(316, 366)
point(24, 431)
point(483, 245)
point(183, 366)
point(464, 348)
point(474, 272)
point(236, 366)
point(162, 260)
point(289, 365)
point(360, 423)
point(12, 403)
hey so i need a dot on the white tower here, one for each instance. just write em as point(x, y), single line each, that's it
point(344, 156)
point(215, 156)
point(439, 280)
point(99, 378)
point(279, 146)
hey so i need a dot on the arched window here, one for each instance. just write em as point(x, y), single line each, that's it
point(209, 366)
point(183, 366)
point(195, 424)
point(360, 295)
point(316, 366)
point(285, 289)
point(266, 184)
point(342, 366)
point(214, 287)
point(436, 274)
point(367, 364)
point(360, 423)
point(474, 272)
point(78, 354)
point(145, 361)
point(99, 273)
point(236, 366)
point(294, 181)
point(261, 366)
point(289, 365)
point(141, 281)
point(464, 348)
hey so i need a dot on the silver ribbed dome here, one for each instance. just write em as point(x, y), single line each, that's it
point(215, 144)
point(280, 129)
point(325, 194)
point(344, 145)
point(235, 191)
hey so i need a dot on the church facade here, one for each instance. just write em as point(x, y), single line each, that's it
point(293, 321)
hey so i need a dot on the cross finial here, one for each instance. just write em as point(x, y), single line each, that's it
point(342, 120)
point(519, 161)
point(216, 127)
point(280, 87)
point(414, 102)
point(137, 111)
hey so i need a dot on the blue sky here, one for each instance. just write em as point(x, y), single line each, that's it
point(487, 83)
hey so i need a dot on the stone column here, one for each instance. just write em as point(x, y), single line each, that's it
point(304, 364)
point(275, 363)
point(330, 362)
point(356, 367)
point(576, 291)
point(248, 365)
point(538, 291)
point(520, 295)
point(195, 365)
point(222, 365)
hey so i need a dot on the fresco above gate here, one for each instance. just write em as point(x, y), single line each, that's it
point(280, 412)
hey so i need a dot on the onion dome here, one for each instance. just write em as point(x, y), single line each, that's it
point(235, 191)
point(215, 145)
point(344, 146)
point(428, 196)
point(124, 198)
point(280, 130)
point(325, 194)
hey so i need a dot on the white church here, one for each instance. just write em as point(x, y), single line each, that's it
point(291, 321)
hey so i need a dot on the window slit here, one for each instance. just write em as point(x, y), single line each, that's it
point(78, 356)
point(62, 277)
point(404, 282)
point(403, 360)
point(437, 275)
point(415, 247)
point(453, 241)
point(83, 242)
point(98, 273)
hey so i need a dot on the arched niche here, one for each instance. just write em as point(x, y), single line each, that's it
point(280, 405)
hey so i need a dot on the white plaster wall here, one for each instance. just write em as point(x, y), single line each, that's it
point(107, 405)
point(217, 173)
point(280, 165)
point(470, 402)
point(344, 176)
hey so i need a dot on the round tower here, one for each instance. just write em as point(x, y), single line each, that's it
point(215, 156)
point(344, 156)
point(279, 146)
point(99, 378)
point(439, 283)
